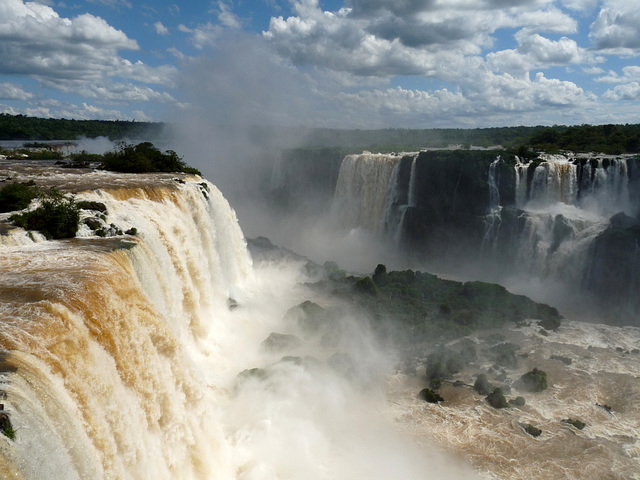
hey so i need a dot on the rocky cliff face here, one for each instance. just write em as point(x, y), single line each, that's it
point(564, 219)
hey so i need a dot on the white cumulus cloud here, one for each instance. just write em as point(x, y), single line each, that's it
point(616, 30)
point(9, 91)
point(160, 29)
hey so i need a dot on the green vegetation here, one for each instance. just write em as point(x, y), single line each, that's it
point(533, 381)
point(575, 423)
point(144, 157)
point(5, 426)
point(497, 399)
point(613, 139)
point(84, 159)
point(56, 217)
point(427, 307)
point(31, 153)
point(531, 430)
point(16, 196)
point(20, 127)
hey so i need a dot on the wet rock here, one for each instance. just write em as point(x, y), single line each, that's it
point(531, 430)
point(576, 423)
point(5, 426)
point(277, 342)
point(482, 385)
point(496, 399)
point(430, 396)
point(232, 304)
point(533, 381)
point(91, 205)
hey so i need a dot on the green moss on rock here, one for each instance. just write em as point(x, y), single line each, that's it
point(533, 381)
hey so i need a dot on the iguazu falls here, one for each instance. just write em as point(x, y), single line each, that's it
point(480, 323)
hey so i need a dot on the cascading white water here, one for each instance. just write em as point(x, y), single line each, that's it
point(107, 336)
point(412, 196)
point(493, 217)
point(568, 202)
point(601, 188)
point(363, 190)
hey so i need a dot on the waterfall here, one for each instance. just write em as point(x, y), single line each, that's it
point(596, 184)
point(521, 182)
point(101, 338)
point(493, 218)
point(413, 179)
point(364, 191)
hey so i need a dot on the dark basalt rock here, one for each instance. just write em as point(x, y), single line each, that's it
point(5, 426)
point(91, 205)
point(531, 430)
point(430, 396)
point(308, 316)
point(496, 399)
point(482, 385)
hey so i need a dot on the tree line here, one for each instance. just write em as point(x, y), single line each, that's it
point(21, 127)
point(611, 138)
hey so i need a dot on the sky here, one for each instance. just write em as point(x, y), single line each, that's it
point(343, 64)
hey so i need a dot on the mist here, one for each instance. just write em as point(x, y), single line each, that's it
point(243, 106)
point(316, 409)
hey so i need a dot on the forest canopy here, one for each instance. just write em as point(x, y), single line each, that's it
point(610, 139)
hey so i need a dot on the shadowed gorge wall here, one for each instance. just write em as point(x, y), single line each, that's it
point(572, 220)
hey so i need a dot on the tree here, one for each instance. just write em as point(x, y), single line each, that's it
point(57, 216)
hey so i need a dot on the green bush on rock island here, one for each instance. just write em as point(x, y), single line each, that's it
point(144, 157)
point(533, 381)
point(429, 308)
point(57, 216)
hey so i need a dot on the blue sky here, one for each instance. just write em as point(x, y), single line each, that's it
point(347, 64)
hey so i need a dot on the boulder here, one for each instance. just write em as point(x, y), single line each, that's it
point(531, 430)
point(533, 381)
point(575, 423)
point(430, 396)
point(496, 399)
point(482, 385)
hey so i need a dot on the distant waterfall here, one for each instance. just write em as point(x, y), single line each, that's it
point(565, 204)
point(493, 217)
point(412, 200)
point(365, 190)
point(600, 185)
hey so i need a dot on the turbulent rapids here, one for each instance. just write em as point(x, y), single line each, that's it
point(168, 353)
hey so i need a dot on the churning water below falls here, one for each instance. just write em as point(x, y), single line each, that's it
point(142, 357)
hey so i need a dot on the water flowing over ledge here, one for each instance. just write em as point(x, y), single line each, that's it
point(104, 338)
